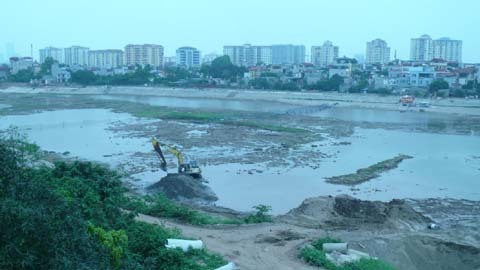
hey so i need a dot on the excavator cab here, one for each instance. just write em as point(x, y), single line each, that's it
point(190, 168)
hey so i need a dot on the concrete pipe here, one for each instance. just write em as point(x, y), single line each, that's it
point(184, 244)
point(338, 247)
point(229, 266)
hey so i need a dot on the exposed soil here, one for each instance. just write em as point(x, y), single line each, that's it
point(366, 174)
point(392, 231)
point(184, 188)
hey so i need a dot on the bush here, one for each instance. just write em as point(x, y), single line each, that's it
point(261, 215)
point(69, 217)
point(161, 206)
point(316, 256)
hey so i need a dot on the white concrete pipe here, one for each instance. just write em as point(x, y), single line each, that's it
point(229, 266)
point(338, 247)
point(184, 244)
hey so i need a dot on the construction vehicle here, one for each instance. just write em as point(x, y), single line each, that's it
point(191, 168)
point(407, 100)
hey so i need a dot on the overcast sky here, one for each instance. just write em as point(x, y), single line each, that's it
point(210, 24)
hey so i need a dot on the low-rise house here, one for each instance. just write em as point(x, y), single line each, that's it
point(20, 63)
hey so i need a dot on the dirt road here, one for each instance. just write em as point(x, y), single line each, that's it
point(256, 246)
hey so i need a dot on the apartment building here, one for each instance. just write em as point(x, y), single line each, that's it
point(188, 57)
point(105, 59)
point(52, 52)
point(377, 52)
point(146, 54)
point(324, 55)
point(76, 56)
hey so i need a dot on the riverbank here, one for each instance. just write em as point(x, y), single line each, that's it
point(306, 98)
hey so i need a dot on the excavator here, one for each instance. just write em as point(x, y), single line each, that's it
point(191, 168)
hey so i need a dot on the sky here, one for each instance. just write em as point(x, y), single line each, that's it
point(210, 24)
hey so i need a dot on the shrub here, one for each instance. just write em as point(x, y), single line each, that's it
point(261, 215)
point(315, 255)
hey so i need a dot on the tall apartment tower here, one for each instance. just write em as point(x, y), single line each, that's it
point(55, 53)
point(105, 59)
point(288, 54)
point(248, 55)
point(146, 54)
point(421, 49)
point(448, 49)
point(188, 57)
point(324, 55)
point(377, 52)
point(76, 56)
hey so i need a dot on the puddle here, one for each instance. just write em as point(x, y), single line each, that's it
point(203, 103)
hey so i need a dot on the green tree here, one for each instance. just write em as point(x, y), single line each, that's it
point(84, 77)
point(24, 76)
point(438, 84)
point(360, 86)
point(222, 67)
point(46, 66)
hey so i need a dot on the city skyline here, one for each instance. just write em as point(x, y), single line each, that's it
point(348, 24)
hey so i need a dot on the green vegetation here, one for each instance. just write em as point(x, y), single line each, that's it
point(365, 174)
point(211, 117)
point(316, 256)
point(332, 84)
point(139, 76)
point(439, 84)
point(69, 217)
point(222, 67)
point(261, 215)
point(161, 206)
point(23, 76)
point(257, 125)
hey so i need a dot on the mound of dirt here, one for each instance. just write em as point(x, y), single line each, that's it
point(184, 188)
point(416, 252)
point(345, 212)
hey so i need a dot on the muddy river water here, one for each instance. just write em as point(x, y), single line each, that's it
point(443, 165)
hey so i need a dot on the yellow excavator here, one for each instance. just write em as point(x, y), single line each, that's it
point(191, 168)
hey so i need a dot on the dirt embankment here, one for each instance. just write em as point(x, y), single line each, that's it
point(391, 231)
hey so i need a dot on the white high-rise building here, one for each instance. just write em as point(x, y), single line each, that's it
point(288, 54)
point(448, 49)
point(54, 53)
point(377, 52)
point(248, 55)
point(421, 49)
point(105, 59)
point(146, 54)
point(188, 57)
point(324, 55)
point(76, 56)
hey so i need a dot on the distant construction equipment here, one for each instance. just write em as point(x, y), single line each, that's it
point(191, 168)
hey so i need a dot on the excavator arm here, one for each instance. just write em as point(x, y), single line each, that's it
point(163, 163)
point(156, 147)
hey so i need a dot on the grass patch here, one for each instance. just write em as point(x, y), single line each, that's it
point(161, 206)
point(269, 127)
point(366, 174)
point(225, 118)
point(316, 256)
